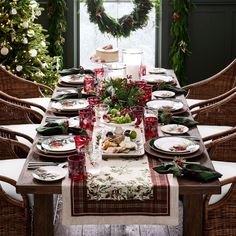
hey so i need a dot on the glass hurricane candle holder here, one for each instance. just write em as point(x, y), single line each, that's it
point(132, 58)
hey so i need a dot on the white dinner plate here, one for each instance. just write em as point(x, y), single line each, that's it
point(49, 173)
point(152, 78)
point(73, 79)
point(176, 145)
point(58, 144)
point(175, 129)
point(168, 105)
point(157, 70)
point(70, 104)
point(163, 94)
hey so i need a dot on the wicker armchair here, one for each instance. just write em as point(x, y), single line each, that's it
point(11, 113)
point(20, 88)
point(220, 217)
point(215, 85)
point(14, 214)
point(218, 111)
point(10, 147)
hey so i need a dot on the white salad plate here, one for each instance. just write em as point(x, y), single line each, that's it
point(165, 105)
point(157, 70)
point(49, 173)
point(174, 129)
point(73, 79)
point(152, 78)
point(70, 104)
point(163, 94)
point(57, 144)
point(176, 145)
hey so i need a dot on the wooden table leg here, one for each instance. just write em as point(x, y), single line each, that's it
point(193, 215)
point(43, 215)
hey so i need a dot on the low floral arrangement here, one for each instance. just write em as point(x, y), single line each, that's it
point(121, 93)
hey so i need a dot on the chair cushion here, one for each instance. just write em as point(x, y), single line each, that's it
point(12, 169)
point(191, 102)
point(228, 170)
point(28, 129)
point(206, 130)
point(44, 102)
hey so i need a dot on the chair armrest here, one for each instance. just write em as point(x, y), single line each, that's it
point(11, 134)
point(226, 198)
point(23, 204)
point(20, 102)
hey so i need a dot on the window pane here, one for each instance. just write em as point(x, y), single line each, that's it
point(91, 38)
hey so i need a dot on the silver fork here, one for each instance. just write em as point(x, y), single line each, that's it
point(35, 165)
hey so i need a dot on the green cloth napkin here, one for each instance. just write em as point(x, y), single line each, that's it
point(177, 91)
point(57, 128)
point(168, 118)
point(190, 170)
point(71, 71)
point(65, 96)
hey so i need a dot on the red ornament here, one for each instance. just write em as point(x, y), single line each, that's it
point(176, 16)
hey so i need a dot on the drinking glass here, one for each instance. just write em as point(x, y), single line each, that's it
point(93, 100)
point(88, 84)
point(94, 158)
point(140, 84)
point(147, 92)
point(100, 111)
point(150, 111)
point(77, 167)
point(81, 142)
point(115, 70)
point(150, 127)
point(138, 114)
point(86, 118)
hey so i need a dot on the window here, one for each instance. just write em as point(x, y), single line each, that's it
point(91, 38)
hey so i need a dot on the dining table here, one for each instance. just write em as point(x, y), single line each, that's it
point(191, 191)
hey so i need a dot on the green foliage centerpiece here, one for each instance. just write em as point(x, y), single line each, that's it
point(121, 93)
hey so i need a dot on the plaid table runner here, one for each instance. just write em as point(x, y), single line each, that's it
point(159, 204)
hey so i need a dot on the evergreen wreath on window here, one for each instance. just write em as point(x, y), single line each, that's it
point(123, 26)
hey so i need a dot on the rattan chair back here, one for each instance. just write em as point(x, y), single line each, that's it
point(215, 85)
point(20, 88)
point(220, 113)
point(15, 114)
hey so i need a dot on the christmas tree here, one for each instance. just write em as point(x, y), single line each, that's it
point(23, 46)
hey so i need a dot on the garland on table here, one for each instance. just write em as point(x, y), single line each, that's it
point(179, 49)
point(122, 27)
point(57, 27)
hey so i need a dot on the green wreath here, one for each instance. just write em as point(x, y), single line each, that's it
point(123, 26)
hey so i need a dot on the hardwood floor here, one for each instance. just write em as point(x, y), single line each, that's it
point(117, 230)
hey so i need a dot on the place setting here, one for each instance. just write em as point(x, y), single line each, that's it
point(174, 106)
point(159, 78)
point(68, 106)
point(57, 146)
point(168, 147)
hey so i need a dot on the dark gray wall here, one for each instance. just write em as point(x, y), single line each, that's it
point(212, 28)
point(71, 47)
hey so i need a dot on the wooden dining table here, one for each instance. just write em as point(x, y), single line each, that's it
point(191, 192)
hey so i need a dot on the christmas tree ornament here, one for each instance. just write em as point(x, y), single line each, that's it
point(13, 11)
point(25, 40)
point(25, 24)
point(4, 51)
point(30, 33)
point(19, 68)
point(33, 52)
